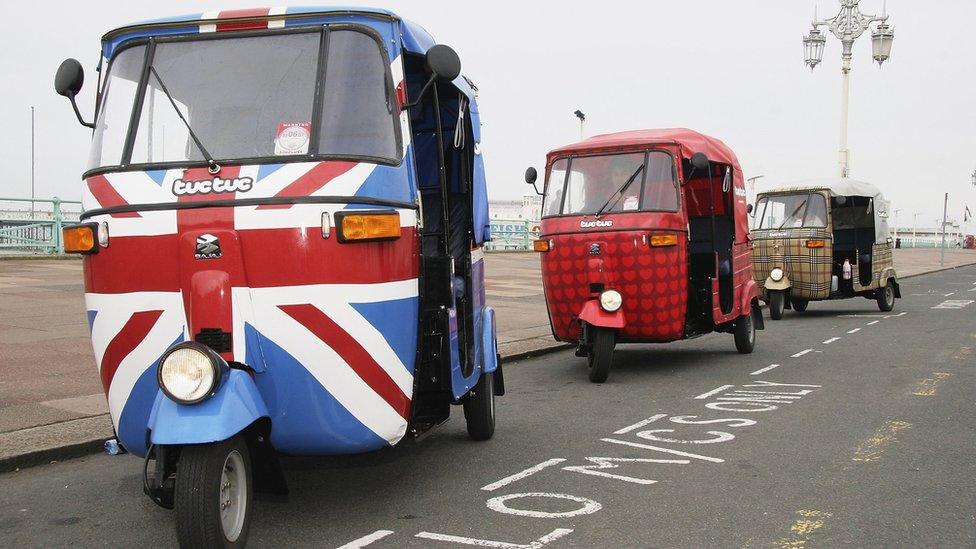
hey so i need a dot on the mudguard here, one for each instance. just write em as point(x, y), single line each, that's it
point(236, 405)
point(885, 275)
point(750, 299)
point(594, 315)
point(489, 343)
point(783, 284)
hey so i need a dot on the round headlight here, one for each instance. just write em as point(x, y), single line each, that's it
point(776, 274)
point(189, 373)
point(611, 300)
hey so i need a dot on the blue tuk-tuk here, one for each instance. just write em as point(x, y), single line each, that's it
point(282, 238)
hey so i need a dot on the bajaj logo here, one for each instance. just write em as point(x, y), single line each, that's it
point(208, 247)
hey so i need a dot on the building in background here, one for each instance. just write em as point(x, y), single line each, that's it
point(514, 223)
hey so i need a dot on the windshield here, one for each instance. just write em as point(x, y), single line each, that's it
point(611, 183)
point(789, 211)
point(248, 97)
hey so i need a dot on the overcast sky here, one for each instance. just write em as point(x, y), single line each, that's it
point(732, 69)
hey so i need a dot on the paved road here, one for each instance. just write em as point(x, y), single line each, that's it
point(866, 440)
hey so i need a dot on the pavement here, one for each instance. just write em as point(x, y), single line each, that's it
point(52, 406)
point(845, 427)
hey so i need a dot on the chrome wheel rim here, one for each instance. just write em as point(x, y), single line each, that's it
point(889, 295)
point(233, 496)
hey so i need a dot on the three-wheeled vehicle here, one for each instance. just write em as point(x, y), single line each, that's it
point(283, 228)
point(645, 239)
point(824, 239)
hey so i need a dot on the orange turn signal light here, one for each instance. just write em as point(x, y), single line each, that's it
point(816, 243)
point(367, 226)
point(541, 246)
point(80, 239)
point(664, 240)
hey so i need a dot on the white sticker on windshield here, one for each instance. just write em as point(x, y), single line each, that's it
point(631, 203)
point(293, 138)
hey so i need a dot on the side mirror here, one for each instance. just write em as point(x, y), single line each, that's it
point(530, 177)
point(749, 209)
point(443, 63)
point(68, 82)
point(699, 161)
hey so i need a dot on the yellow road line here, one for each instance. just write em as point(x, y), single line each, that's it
point(809, 522)
point(928, 386)
point(873, 447)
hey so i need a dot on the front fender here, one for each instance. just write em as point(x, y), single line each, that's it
point(783, 284)
point(236, 405)
point(594, 315)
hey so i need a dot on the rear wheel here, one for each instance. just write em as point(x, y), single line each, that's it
point(886, 297)
point(799, 305)
point(213, 494)
point(601, 353)
point(479, 408)
point(776, 304)
point(745, 332)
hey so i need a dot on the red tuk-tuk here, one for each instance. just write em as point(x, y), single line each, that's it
point(645, 239)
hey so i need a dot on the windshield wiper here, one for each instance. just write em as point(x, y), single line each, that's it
point(620, 191)
point(212, 165)
point(792, 214)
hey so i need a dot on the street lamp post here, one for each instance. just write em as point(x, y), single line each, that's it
point(582, 118)
point(848, 25)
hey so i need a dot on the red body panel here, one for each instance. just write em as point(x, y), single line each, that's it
point(652, 281)
point(594, 315)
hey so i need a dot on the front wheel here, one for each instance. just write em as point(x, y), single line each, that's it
point(213, 494)
point(799, 305)
point(601, 354)
point(776, 304)
point(479, 408)
point(745, 333)
point(886, 297)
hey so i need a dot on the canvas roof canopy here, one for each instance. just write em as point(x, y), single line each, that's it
point(689, 142)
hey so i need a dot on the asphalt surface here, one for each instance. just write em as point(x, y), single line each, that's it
point(871, 445)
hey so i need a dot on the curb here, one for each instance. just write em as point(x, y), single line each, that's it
point(939, 270)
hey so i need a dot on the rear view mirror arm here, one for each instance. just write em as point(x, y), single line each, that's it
point(81, 120)
point(422, 94)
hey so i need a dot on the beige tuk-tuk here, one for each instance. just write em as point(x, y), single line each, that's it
point(823, 239)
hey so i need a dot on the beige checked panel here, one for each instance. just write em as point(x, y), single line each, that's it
point(808, 269)
point(881, 259)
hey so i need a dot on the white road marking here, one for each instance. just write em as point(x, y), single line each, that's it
point(665, 450)
point(761, 370)
point(544, 540)
point(854, 331)
point(950, 293)
point(716, 390)
point(366, 540)
point(801, 353)
point(903, 313)
point(862, 316)
point(831, 340)
point(953, 304)
point(873, 322)
point(972, 290)
point(608, 463)
point(639, 424)
point(499, 504)
point(522, 474)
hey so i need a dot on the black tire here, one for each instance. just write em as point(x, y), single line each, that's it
point(745, 333)
point(776, 301)
point(799, 305)
point(601, 353)
point(201, 492)
point(479, 408)
point(886, 297)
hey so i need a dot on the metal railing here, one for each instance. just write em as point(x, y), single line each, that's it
point(512, 235)
point(35, 231)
